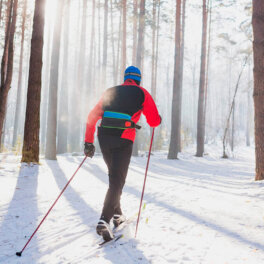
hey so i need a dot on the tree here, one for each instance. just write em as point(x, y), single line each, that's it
point(63, 107)
point(140, 52)
point(232, 109)
point(51, 133)
point(135, 23)
point(153, 58)
point(124, 8)
point(202, 83)
point(19, 85)
point(30, 152)
point(105, 43)
point(7, 61)
point(79, 89)
point(258, 50)
point(174, 147)
point(1, 5)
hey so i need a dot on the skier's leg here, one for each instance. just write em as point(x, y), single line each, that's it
point(119, 158)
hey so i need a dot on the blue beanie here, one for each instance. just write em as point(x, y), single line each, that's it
point(132, 72)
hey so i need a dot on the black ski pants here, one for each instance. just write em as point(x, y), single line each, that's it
point(116, 153)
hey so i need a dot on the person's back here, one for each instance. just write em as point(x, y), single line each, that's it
point(120, 108)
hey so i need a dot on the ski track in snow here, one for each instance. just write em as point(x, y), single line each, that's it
point(196, 210)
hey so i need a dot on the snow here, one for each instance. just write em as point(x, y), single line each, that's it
point(196, 210)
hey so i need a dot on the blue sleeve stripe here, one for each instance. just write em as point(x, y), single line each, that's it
point(116, 115)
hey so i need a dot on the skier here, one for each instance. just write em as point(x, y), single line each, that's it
point(120, 108)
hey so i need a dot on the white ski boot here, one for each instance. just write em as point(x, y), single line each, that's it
point(118, 220)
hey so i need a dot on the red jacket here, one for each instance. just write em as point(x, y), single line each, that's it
point(127, 98)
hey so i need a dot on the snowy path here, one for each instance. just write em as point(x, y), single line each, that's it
point(197, 210)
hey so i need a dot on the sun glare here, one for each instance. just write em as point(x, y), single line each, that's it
point(51, 7)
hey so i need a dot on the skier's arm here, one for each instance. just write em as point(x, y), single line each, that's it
point(150, 110)
point(95, 114)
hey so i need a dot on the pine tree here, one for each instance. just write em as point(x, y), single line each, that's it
point(177, 94)
point(30, 151)
point(7, 61)
point(258, 49)
point(201, 100)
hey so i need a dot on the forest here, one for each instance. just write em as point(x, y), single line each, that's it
point(201, 68)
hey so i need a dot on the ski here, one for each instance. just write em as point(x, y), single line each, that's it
point(111, 241)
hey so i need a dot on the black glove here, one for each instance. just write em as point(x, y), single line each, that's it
point(160, 119)
point(89, 149)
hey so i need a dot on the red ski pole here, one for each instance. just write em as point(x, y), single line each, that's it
point(146, 172)
point(20, 252)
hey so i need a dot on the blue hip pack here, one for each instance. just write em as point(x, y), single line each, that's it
point(118, 120)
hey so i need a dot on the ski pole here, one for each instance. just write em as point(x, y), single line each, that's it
point(142, 195)
point(20, 252)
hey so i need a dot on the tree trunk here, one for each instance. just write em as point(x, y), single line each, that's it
point(91, 52)
point(1, 6)
point(30, 151)
point(45, 91)
point(140, 51)
point(248, 108)
point(233, 128)
point(7, 63)
point(258, 49)
point(177, 94)
point(51, 133)
point(63, 106)
point(19, 85)
point(153, 57)
point(157, 51)
point(201, 100)
point(113, 44)
point(135, 24)
point(124, 2)
point(118, 49)
point(105, 44)
point(207, 62)
point(141, 30)
point(182, 59)
point(231, 110)
point(78, 90)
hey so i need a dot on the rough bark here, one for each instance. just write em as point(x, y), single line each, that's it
point(7, 63)
point(174, 147)
point(258, 50)
point(30, 151)
point(201, 100)
point(51, 133)
point(20, 74)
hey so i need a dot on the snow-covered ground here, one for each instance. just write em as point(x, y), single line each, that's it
point(196, 210)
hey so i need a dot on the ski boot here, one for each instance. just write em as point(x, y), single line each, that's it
point(103, 229)
point(118, 220)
